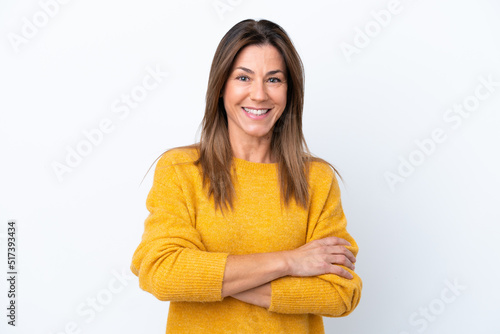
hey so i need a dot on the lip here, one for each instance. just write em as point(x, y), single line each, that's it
point(256, 116)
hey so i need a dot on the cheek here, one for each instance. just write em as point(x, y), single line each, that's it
point(280, 96)
point(227, 97)
point(233, 95)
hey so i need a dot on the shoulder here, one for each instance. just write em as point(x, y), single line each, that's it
point(178, 155)
point(321, 170)
point(165, 170)
point(322, 177)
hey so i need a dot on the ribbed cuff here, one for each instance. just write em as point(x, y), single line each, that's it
point(198, 277)
point(300, 295)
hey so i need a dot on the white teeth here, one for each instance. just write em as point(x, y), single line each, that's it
point(256, 111)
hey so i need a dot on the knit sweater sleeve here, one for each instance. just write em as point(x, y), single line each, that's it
point(171, 261)
point(328, 295)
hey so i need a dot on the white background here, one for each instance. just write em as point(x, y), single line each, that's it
point(77, 233)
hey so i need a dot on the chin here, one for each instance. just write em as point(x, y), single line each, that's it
point(259, 134)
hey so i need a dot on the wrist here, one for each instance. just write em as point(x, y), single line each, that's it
point(286, 263)
point(259, 296)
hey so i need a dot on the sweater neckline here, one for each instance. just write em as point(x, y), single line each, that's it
point(245, 164)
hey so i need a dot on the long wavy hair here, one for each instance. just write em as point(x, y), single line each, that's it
point(288, 145)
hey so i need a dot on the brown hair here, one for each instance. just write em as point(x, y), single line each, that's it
point(288, 145)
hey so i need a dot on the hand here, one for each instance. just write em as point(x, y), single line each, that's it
point(322, 256)
point(260, 296)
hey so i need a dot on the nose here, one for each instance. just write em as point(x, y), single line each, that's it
point(258, 91)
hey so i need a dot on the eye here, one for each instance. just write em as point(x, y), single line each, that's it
point(242, 78)
point(274, 80)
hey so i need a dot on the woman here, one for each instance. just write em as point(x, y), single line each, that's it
point(246, 232)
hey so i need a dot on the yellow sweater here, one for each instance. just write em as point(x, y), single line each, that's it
point(185, 244)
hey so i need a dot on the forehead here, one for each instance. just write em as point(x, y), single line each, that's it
point(255, 57)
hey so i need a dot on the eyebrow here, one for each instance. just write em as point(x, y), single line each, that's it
point(252, 72)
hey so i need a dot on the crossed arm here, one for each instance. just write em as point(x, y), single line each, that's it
point(173, 264)
point(248, 277)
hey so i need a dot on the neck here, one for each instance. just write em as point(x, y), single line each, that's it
point(259, 151)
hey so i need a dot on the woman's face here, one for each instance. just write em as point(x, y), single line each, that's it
point(255, 93)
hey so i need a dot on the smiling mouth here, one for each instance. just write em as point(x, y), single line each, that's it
point(256, 112)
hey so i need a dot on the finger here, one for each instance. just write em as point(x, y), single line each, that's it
point(339, 271)
point(342, 251)
point(340, 260)
point(336, 241)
